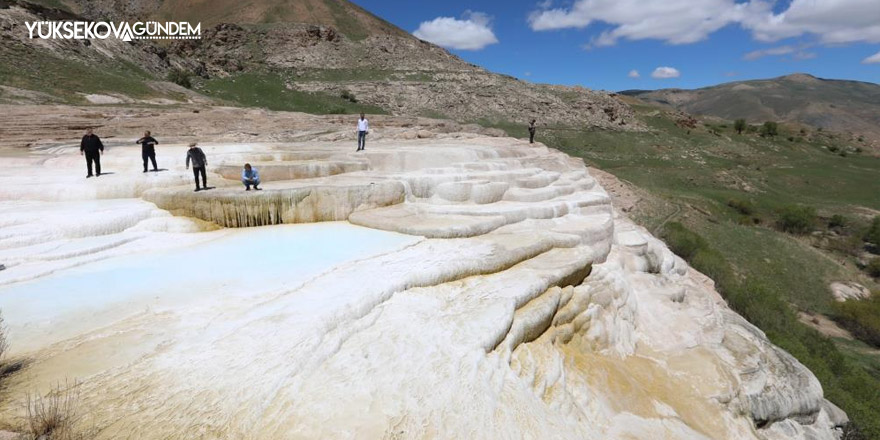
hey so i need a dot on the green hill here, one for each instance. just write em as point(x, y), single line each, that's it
point(837, 105)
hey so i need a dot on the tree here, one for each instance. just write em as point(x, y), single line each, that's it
point(769, 129)
point(739, 125)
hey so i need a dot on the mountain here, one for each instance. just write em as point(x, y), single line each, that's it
point(348, 18)
point(836, 105)
point(317, 56)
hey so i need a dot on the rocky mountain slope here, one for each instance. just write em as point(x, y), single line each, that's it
point(837, 105)
point(341, 55)
point(491, 290)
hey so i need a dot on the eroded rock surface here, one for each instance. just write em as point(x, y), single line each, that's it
point(519, 304)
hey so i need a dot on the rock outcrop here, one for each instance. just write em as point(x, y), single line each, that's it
point(522, 306)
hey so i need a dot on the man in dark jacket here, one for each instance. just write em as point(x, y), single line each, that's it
point(148, 149)
point(199, 162)
point(92, 148)
point(532, 128)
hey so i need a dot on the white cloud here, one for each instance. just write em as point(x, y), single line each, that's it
point(665, 73)
point(773, 51)
point(471, 32)
point(873, 59)
point(796, 53)
point(832, 21)
point(689, 21)
point(674, 21)
point(633, 74)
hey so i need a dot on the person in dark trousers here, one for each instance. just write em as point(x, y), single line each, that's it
point(199, 162)
point(148, 149)
point(532, 129)
point(363, 130)
point(250, 176)
point(92, 148)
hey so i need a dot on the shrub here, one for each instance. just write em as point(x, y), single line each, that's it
point(797, 219)
point(837, 221)
point(337, 111)
point(744, 207)
point(53, 416)
point(843, 153)
point(752, 129)
point(872, 235)
point(873, 269)
point(739, 125)
point(770, 129)
point(348, 96)
point(179, 77)
point(834, 148)
point(859, 150)
point(791, 138)
point(861, 318)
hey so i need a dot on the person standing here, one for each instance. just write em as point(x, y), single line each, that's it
point(199, 163)
point(532, 128)
point(363, 130)
point(148, 149)
point(92, 148)
point(250, 176)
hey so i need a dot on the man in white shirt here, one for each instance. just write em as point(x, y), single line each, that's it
point(363, 129)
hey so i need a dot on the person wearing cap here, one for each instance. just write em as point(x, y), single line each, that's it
point(199, 163)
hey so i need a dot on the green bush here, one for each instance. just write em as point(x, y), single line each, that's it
point(834, 148)
point(837, 221)
point(861, 318)
point(797, 219)
point(873, 268)
point(873, 233)
point(348, 96)
point(770, 129)
point(744, 207)
point(179, 77)
point(739, 125)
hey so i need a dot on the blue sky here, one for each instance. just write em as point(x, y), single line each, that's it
point(597, 43)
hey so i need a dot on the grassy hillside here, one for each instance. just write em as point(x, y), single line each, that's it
point(724, 201)
point(837, 105)
point(268, 90)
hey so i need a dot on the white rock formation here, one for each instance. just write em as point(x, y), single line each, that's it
point(849, 291)
point(519, 305)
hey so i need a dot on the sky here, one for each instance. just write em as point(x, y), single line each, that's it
point(650, 44)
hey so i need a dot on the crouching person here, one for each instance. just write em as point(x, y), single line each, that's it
point(250, 177)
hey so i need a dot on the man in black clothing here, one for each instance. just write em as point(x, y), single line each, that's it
point(148, 149)
point(92, 148)
point(532, 129)
point(199, 162)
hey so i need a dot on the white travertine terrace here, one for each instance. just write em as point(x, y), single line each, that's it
point(519, 304)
